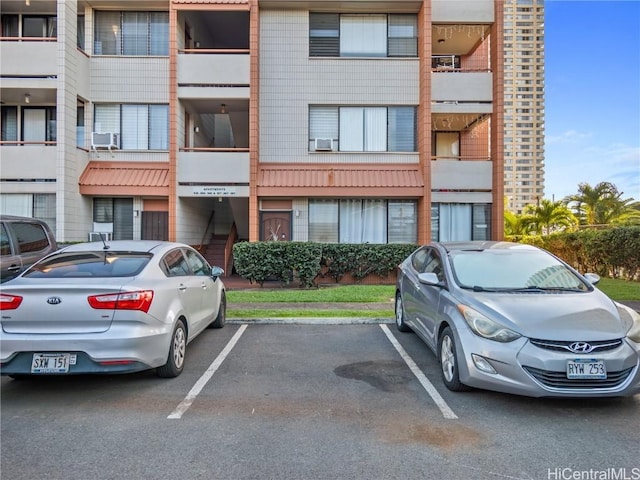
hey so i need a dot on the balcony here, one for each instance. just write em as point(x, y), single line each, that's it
point(28, 57)
point(461, 181)
point(213, 173)
point(26, 160)
point(468, 11)
point(214, 62)
point(212, 73)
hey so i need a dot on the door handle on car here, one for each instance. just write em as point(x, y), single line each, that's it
point(182, 288)
point(14, 268)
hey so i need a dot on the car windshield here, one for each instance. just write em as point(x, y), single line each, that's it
point(513, 270)
point(90, 264)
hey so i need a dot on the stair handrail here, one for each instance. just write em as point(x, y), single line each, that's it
point(228, 249)
point(204, 235)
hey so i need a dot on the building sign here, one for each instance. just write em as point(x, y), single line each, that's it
point(211, 191)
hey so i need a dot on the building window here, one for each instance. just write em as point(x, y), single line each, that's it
point(80, 36)
point(80, 125)
point(117, 213)
point(37, 124)
point(35, 26)
point(362, 221)
point(37, 205)
point(140, 126)
point(9, 126)
point(362, 129)
point(357, 35)
point(131, 33)
point(39, 26)
point(451, 222)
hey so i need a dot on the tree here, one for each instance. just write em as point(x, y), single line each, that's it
point(602, 205)
point(517, 224)
point(549, 216)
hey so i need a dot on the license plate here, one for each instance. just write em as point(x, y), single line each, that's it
point(52, 362)
point(586, 368)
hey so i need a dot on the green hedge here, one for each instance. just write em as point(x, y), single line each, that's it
point(614, 252)
point(306, 261)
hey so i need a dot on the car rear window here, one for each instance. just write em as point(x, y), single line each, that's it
point(31, 236)
point(90, 264)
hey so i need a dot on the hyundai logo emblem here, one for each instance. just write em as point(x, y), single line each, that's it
point(54, 300)
point(580, 347)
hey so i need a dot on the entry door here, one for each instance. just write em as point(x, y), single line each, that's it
point(155, 226)
point(275, 226)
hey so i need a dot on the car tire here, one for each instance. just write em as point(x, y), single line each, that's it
point(177, 353)
point(399, 309)
point(447, 357)
point(222, 313)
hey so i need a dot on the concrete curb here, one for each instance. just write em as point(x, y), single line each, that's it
point(309, 321)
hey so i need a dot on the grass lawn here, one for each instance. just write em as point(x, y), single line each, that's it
point(616, 289)
point(620, 289)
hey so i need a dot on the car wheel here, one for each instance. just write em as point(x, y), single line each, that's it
point(449, 362)
point(222, 313)
point(177, 352)
point(403, 327)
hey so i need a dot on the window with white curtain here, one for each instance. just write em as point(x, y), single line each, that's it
point(141, 126)
point(39, 124)
point(452, 222)
point(131, 33)
point(364, 129)
point(37, 205)
point(362, 221)
point(363, 35)
point(323, 221)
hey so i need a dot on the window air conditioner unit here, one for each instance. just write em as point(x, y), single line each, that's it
point(105, 140)
point(99, 236)
point(324, 144)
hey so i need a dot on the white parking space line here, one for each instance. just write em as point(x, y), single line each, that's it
point(206, 376)
point(424, 381)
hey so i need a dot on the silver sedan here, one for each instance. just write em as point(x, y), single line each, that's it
point(114, 307)
point(514, 318)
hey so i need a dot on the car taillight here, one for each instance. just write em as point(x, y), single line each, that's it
point(140, 300)
point(9, 302)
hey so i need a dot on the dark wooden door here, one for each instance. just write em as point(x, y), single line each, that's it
point(275, 226)
point(155, 225)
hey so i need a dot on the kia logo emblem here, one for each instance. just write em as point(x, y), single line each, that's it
point(54, 300)
point(580, 347)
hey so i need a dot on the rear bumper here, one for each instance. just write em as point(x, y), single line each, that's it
point(122, 349)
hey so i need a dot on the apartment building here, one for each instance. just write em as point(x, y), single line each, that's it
point(523, 103)
point(214, 121)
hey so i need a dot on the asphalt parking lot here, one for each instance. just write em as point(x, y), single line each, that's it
point(262, 401)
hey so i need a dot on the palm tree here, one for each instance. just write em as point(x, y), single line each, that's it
point(548, 216)
point(517, 224)
point(602, 205)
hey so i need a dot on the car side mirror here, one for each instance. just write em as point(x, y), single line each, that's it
point(592, 278)
point(429, 278)
point(216, 272)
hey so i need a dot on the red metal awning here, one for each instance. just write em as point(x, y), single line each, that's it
point(125, 178)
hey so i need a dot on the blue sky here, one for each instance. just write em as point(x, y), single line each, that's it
point(592, 91)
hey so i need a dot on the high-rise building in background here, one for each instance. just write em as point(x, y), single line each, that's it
point(523, 103)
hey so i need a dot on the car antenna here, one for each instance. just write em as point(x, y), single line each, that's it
point(105, 246)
